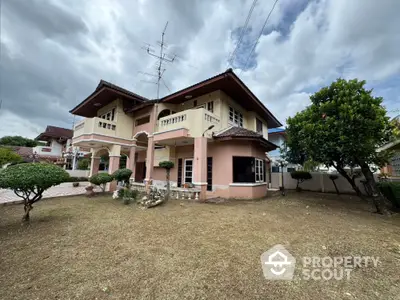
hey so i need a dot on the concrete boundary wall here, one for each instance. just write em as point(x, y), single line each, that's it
point(320, 182)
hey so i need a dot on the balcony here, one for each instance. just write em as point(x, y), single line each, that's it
point(195, 121)
point(95, 126)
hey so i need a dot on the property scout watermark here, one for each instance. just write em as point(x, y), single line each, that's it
point(278, 264)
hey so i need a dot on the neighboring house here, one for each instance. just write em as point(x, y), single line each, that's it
point(278, 137)
point(393, 169)
point(57, 148)
point(215, 132)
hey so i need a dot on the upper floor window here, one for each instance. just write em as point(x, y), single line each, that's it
point(235, 117)
point(210, 106)
point(142, 121)
point(110, 116)
point(259, 126)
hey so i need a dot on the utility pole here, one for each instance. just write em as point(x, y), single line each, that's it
point(162, 58)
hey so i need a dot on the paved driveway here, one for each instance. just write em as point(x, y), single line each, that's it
point(64, 189)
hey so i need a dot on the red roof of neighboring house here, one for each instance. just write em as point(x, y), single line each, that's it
point(55, 132)
point(239, 133)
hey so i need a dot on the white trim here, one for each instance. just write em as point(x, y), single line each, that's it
point(103, 142)
point(169, 130)
point(184, 170)
point(248, 184)
point(200, 183)
point(139, 133)
point(100, 134)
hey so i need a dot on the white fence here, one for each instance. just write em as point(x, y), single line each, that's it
point(320, 182)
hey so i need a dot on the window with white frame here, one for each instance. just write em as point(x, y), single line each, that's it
point(110, 116)
point(248, 169)
point(235, 117)
point(259, 170)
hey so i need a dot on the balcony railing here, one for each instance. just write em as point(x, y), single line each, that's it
point(95, 126)
point(195, 120)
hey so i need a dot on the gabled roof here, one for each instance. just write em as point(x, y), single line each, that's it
point(239, 133)
point(104, 93)
point(55, 132)
point(232, 86)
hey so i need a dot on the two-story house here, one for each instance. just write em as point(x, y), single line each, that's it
point(215, 132)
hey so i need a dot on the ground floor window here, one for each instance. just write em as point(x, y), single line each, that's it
point(248, 169)
point(275, 169)
point(188, 170)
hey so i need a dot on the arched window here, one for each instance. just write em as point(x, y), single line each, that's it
point(164, 113)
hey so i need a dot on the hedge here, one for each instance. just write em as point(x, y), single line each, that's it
point(391, 190)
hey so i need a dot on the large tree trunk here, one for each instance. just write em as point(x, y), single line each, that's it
point(351, 181)
point(27, 208)
point(377, 197)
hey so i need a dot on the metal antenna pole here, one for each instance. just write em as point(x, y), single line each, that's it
point(162, 57)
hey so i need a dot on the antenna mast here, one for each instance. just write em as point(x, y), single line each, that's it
point(162, 57)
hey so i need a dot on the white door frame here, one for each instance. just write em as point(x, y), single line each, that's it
point(184, 170)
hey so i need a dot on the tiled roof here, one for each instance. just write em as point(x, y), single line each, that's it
point(238, 132)
point(118, 88)
point(56, 132)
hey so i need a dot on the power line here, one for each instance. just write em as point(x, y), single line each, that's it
point(259, 36)
point(242, 32)
point(162, 58)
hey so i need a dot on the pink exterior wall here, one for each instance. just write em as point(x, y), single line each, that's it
point(148, 127)
point(170, 135)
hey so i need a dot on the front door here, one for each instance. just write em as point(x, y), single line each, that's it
point(140, 171)
point(188, 171)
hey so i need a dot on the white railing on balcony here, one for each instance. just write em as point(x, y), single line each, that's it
point(195, 120)
point(95, 125)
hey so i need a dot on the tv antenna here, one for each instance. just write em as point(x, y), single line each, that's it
point(162, 59)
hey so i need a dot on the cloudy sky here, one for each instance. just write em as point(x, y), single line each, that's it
point(54, 52)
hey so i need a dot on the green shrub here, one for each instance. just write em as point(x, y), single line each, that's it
point(391, 190)
point(83, 164)
point(101, 179)
point(30, 180)
point(77, 179)
point(121, 193)
point(123, 175)
point(300, 176)
point(129, 196)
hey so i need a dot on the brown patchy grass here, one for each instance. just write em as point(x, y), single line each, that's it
point(79, 248)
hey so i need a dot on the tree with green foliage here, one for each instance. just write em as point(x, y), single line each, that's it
point(167, 165)
point(83, 164)
point(300, 176)
point(30, 180)
point(101, 179)
point(17, 141)
point(123, 175)
point(343, 127)
point(8, 156)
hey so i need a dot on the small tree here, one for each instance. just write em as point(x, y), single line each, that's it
point(83, 164)
point(8, 156)
point(101, 179)
point(123, 175)
point(300, 176)
point(167, 165)
point(30, 180)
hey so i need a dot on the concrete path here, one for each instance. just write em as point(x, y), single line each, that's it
point(64, 189)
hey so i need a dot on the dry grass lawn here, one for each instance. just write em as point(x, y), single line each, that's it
point(79, 248)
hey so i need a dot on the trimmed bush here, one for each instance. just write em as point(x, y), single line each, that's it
point(123, 175)
point(83, 164)
point(101, 179)
point(77, 179)
point(391, 190)
point(300, 176)
point(30, 180)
